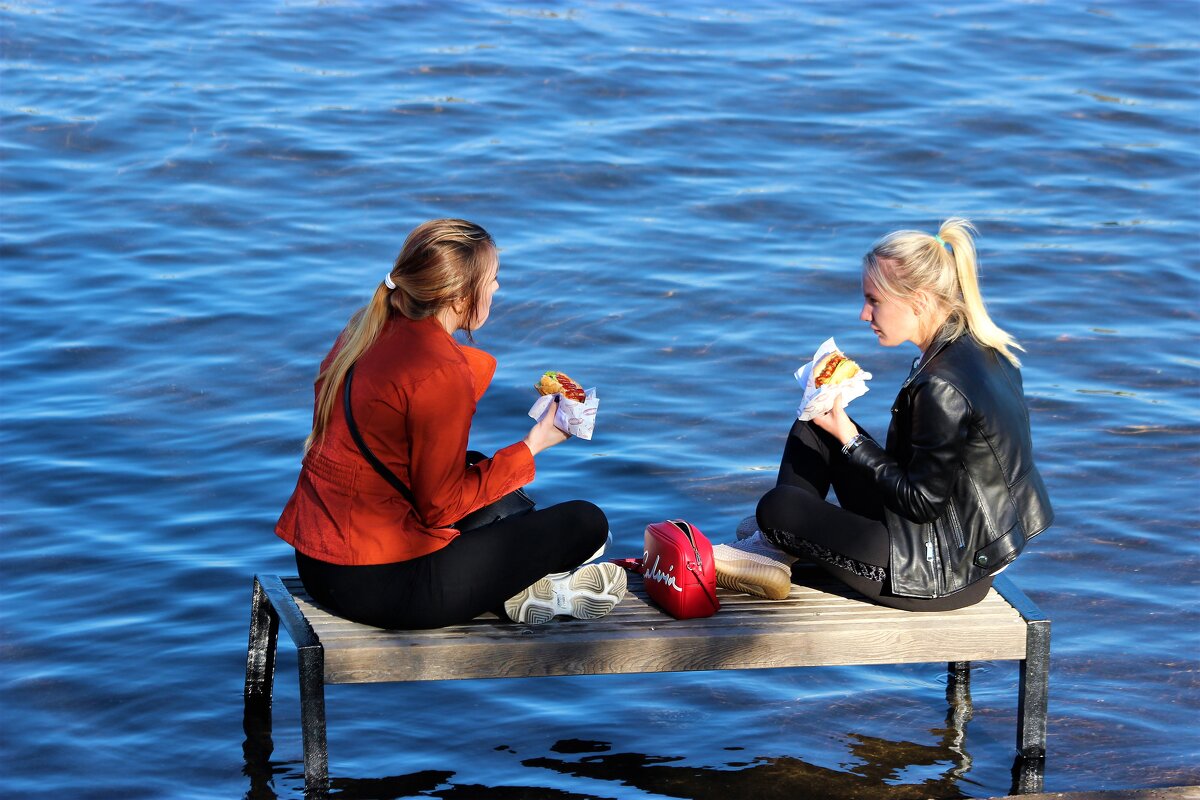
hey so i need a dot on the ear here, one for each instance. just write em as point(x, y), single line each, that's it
point(919, 303)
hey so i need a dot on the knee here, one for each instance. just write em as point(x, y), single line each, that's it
point(777, 508)
point(589, 520)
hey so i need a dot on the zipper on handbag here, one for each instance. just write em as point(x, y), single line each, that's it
point(687, 531)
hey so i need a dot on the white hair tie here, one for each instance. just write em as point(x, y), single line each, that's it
point(388, 282)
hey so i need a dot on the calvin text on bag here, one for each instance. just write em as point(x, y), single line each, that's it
point(655, 574)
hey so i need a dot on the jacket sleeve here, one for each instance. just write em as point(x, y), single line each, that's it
point(920, 489)
point(439, 424)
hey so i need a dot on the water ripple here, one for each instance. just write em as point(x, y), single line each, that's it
point(197, 196)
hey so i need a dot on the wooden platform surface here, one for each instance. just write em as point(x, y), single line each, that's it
point(820, 624)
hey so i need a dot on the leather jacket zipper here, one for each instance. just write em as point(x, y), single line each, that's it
point(931, 557)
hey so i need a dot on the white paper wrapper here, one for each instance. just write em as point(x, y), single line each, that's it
point(573, 417)
point(818, 401)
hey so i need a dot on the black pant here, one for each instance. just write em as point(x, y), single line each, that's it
point(850, 542)
point(475, 573)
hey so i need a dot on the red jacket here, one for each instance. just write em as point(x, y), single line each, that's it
point(415, 391)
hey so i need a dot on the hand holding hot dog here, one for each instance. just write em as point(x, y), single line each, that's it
point(830, 381)
point(836, 421)
point(545, 434)
point(574, 409)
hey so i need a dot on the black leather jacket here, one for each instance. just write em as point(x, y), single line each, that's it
point(960, 489)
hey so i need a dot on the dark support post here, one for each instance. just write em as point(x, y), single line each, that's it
point(260, 658)
point(1028, 775)
point(312, 719)
point(271, 594)
point(1030, 767)
point(958, 683)
point(1034, 691)
point(1035, 672)
point(260, 677)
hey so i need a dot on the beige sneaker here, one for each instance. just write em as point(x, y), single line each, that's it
point(754, 566)
point(589, 592)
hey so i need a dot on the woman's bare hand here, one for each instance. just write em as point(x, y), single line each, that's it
point(544, 434)
point(837, 422)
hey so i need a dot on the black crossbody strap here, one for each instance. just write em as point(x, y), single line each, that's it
point(383, 471)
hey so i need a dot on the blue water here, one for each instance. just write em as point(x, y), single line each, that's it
point(196, 196)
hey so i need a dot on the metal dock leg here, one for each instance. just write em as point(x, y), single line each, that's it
point(260, 661)
point(958, 683)
point(1032, 708)
point(1033, 698)
point(1035, 672)
point(1034, 691)
point(260, 677)
point(312, 718)
point(274, 600)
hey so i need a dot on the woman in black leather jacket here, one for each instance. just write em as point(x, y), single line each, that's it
point(925, 522)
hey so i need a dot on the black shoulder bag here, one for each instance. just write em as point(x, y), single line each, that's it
point(513, 504)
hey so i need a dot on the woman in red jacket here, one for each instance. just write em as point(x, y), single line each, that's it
point(395, 559)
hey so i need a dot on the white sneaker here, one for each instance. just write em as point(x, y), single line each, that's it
point(754, 566)
point(589, 592)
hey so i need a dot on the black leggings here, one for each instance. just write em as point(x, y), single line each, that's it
point(850, 542)
point(475, 573)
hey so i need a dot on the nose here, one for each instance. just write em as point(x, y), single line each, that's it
point(865, 313)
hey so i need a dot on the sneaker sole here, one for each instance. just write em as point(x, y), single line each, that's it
point(766, 578)
point(590, 592)
point(748, 586)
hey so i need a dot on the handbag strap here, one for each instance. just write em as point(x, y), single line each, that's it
point(383, 471)
point(691, 567)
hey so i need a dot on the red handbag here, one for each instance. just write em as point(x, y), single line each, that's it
point(678, 571)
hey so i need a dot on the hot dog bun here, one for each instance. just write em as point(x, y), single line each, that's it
point(833, 369)
point(559, 383)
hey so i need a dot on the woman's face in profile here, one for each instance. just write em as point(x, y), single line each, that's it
point(893, 320)
point(484, 309)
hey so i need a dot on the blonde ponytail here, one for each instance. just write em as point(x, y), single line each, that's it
point(967, 309)
point(443, 262)
point(904, 264)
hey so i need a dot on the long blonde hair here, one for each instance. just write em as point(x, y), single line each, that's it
point(906, 263)
point(443, 262)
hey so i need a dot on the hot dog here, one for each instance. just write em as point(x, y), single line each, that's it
point(833, 369)
point(559, 383)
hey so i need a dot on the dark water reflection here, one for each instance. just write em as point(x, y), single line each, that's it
point(874, 768)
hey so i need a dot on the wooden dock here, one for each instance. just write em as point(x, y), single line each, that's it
point(821, 623)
